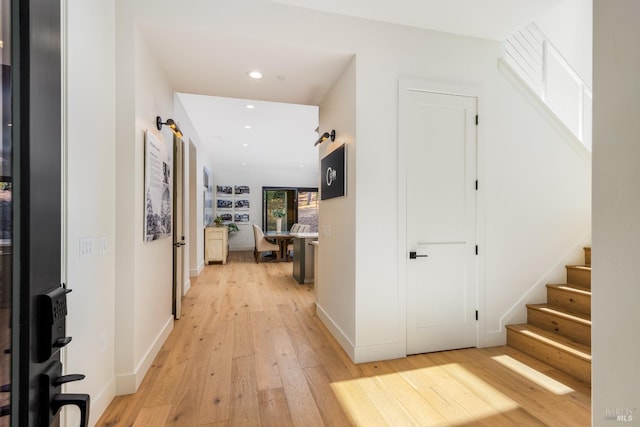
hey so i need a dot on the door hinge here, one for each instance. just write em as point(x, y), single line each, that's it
point(476, 185)
point(476, 314)
point(476, 249)
point(476, 120)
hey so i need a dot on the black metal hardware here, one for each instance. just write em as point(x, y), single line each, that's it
point(68, 379)
point(179, 244)
point(476, 314)
point(414, 255)
point(476, 119)
point(53, 310)
point(80, 400)
point(61, 342)
point(51, 398)
point(476, 249)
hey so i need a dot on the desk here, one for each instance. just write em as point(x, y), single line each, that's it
point(282, 239)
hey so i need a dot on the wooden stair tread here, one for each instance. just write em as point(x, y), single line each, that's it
point(579, 267)
point(572, 288)
point(560, 312)
point(554, 340)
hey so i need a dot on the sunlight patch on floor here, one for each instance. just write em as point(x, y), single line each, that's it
point(436, 395)
point(531, 374)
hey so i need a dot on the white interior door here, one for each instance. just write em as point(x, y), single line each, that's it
point(178, 225)
point(439, 133)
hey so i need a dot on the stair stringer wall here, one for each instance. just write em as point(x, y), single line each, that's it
point(537, 293)
point(534, 209)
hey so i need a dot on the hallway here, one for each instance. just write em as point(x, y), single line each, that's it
point(249, 351)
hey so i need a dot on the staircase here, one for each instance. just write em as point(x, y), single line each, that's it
point(559, 332)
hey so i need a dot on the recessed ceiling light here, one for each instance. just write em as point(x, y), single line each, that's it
point(244, 163)
point(247, 127)
point(245, 145)
point(301, 166)
point(250, 106)
point(257, 75)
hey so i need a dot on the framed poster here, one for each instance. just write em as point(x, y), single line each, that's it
point(158, 182)
point(224, 191)
point(241, 190)
point(333, 170)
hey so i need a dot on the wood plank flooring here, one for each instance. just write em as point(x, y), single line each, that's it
point(249, 351)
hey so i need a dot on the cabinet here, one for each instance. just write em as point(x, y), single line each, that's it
point(216, 246)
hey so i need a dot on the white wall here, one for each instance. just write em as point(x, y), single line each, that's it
point(256, 178)
point(335, 290)
point(90, 190)
point(616, 211)
point(143, 270)
point(569, 27)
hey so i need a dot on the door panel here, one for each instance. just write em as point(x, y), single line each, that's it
point(445, 269)
point(439, 132)
point(439, 165)
point(178, 225)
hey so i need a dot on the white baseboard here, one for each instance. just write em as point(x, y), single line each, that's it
point(493, 339)
point(100, 402)
point(185, 287)
point(129, 383)
point(195, 272)
point(371, 353)
point(337, 333)
point(375, 353)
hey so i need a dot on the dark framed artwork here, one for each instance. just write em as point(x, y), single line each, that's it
point(205, 177)
point(333, 170)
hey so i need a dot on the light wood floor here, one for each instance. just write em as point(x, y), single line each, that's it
point(249, 351)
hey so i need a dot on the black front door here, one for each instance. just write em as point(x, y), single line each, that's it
point(38, 300)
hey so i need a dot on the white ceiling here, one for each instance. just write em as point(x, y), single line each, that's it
point(280, 134)
point(201, 57)
point(489, 19)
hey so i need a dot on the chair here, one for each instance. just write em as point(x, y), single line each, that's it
point(297, 228)
point(262, 244)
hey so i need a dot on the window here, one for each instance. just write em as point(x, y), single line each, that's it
point(300, 205)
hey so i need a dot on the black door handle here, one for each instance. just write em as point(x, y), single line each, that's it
point(414, 255)
point(80, 400)
point(67, 379)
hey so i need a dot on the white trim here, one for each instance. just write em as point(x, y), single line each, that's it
point(337, 333)
point(186, 286)
point(100, 401)
point(198, 270)
point(128, 383)
point(517, 311)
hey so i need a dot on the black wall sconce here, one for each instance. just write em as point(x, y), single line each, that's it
point(326, 136)
point(172, 125)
